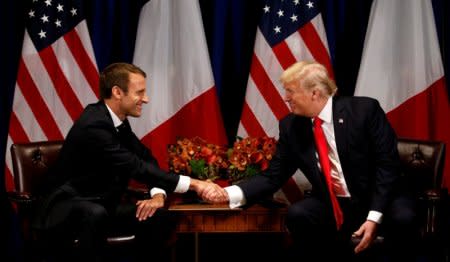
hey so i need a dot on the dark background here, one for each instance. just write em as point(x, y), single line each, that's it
point(230, 27)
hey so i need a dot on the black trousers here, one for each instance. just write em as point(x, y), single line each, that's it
point(91, 222)
point(315, 237)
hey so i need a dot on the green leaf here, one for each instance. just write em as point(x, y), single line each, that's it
point(251, 170)
point(198, 168)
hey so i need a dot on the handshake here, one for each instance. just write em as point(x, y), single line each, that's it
point(209, 191)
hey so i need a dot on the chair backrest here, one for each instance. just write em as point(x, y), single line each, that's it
point(31, 161)
point(423, 161)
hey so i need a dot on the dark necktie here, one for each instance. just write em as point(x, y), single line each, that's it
point(125, 134)
point(322, 150)
point(124, 128)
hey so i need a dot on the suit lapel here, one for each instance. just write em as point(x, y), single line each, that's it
point(105, 113)
point(341, 123)
point(304, 144)
point(125, 135)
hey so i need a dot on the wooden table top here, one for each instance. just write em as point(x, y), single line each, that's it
point(209, 218)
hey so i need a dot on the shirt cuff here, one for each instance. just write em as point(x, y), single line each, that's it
point(157, 190)
point(236, 196)
point(375, 216)
point(183, 184)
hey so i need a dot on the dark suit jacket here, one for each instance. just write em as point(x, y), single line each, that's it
point(96, 162)
point(367, 148)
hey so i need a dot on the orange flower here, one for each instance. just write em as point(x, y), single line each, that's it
point(264, 165)
point(195, 157)
point(256, 157)
point(250, 156)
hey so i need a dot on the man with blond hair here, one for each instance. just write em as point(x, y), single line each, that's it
point(347, 150)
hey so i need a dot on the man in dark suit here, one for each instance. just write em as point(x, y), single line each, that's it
point(362, 196)
point(99, 157)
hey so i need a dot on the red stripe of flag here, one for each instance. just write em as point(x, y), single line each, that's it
point(60, 83)
point(250, 123)
point(267, 89)
point(18, 135)
point(9, 182)
point(83, 60)
point(316, 46)
point(33, 97)
point(284, 54)
point(17, 132)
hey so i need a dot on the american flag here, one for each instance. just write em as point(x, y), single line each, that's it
point(57, 75)
point(289, 31)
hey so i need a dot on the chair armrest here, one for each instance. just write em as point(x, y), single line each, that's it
point(21, 198)
point(356, 240)
point(432, 194)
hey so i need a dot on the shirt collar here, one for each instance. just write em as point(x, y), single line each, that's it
point(327, 113)
point(116, 120)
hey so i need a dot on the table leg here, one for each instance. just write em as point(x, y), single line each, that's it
point(196, 249)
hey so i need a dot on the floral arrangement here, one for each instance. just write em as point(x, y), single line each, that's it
point(199, 159)
point(249, 156)
point(196, 158)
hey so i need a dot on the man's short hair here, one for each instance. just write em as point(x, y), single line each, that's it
point(117, 74)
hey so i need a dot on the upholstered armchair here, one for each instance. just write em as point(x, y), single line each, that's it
point(30, 163)
point(422, 163)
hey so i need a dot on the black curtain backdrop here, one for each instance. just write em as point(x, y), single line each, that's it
point(230, 27)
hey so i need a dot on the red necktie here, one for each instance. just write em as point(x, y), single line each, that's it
point(322, 150)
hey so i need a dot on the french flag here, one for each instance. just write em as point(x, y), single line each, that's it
point(402, 68)
point(171, 48)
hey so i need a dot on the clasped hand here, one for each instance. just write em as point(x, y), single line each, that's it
point(210, 192)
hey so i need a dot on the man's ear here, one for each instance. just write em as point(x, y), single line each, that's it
point(315, 93)
point(116, 92)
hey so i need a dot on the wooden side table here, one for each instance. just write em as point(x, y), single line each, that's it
point(211, 218)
